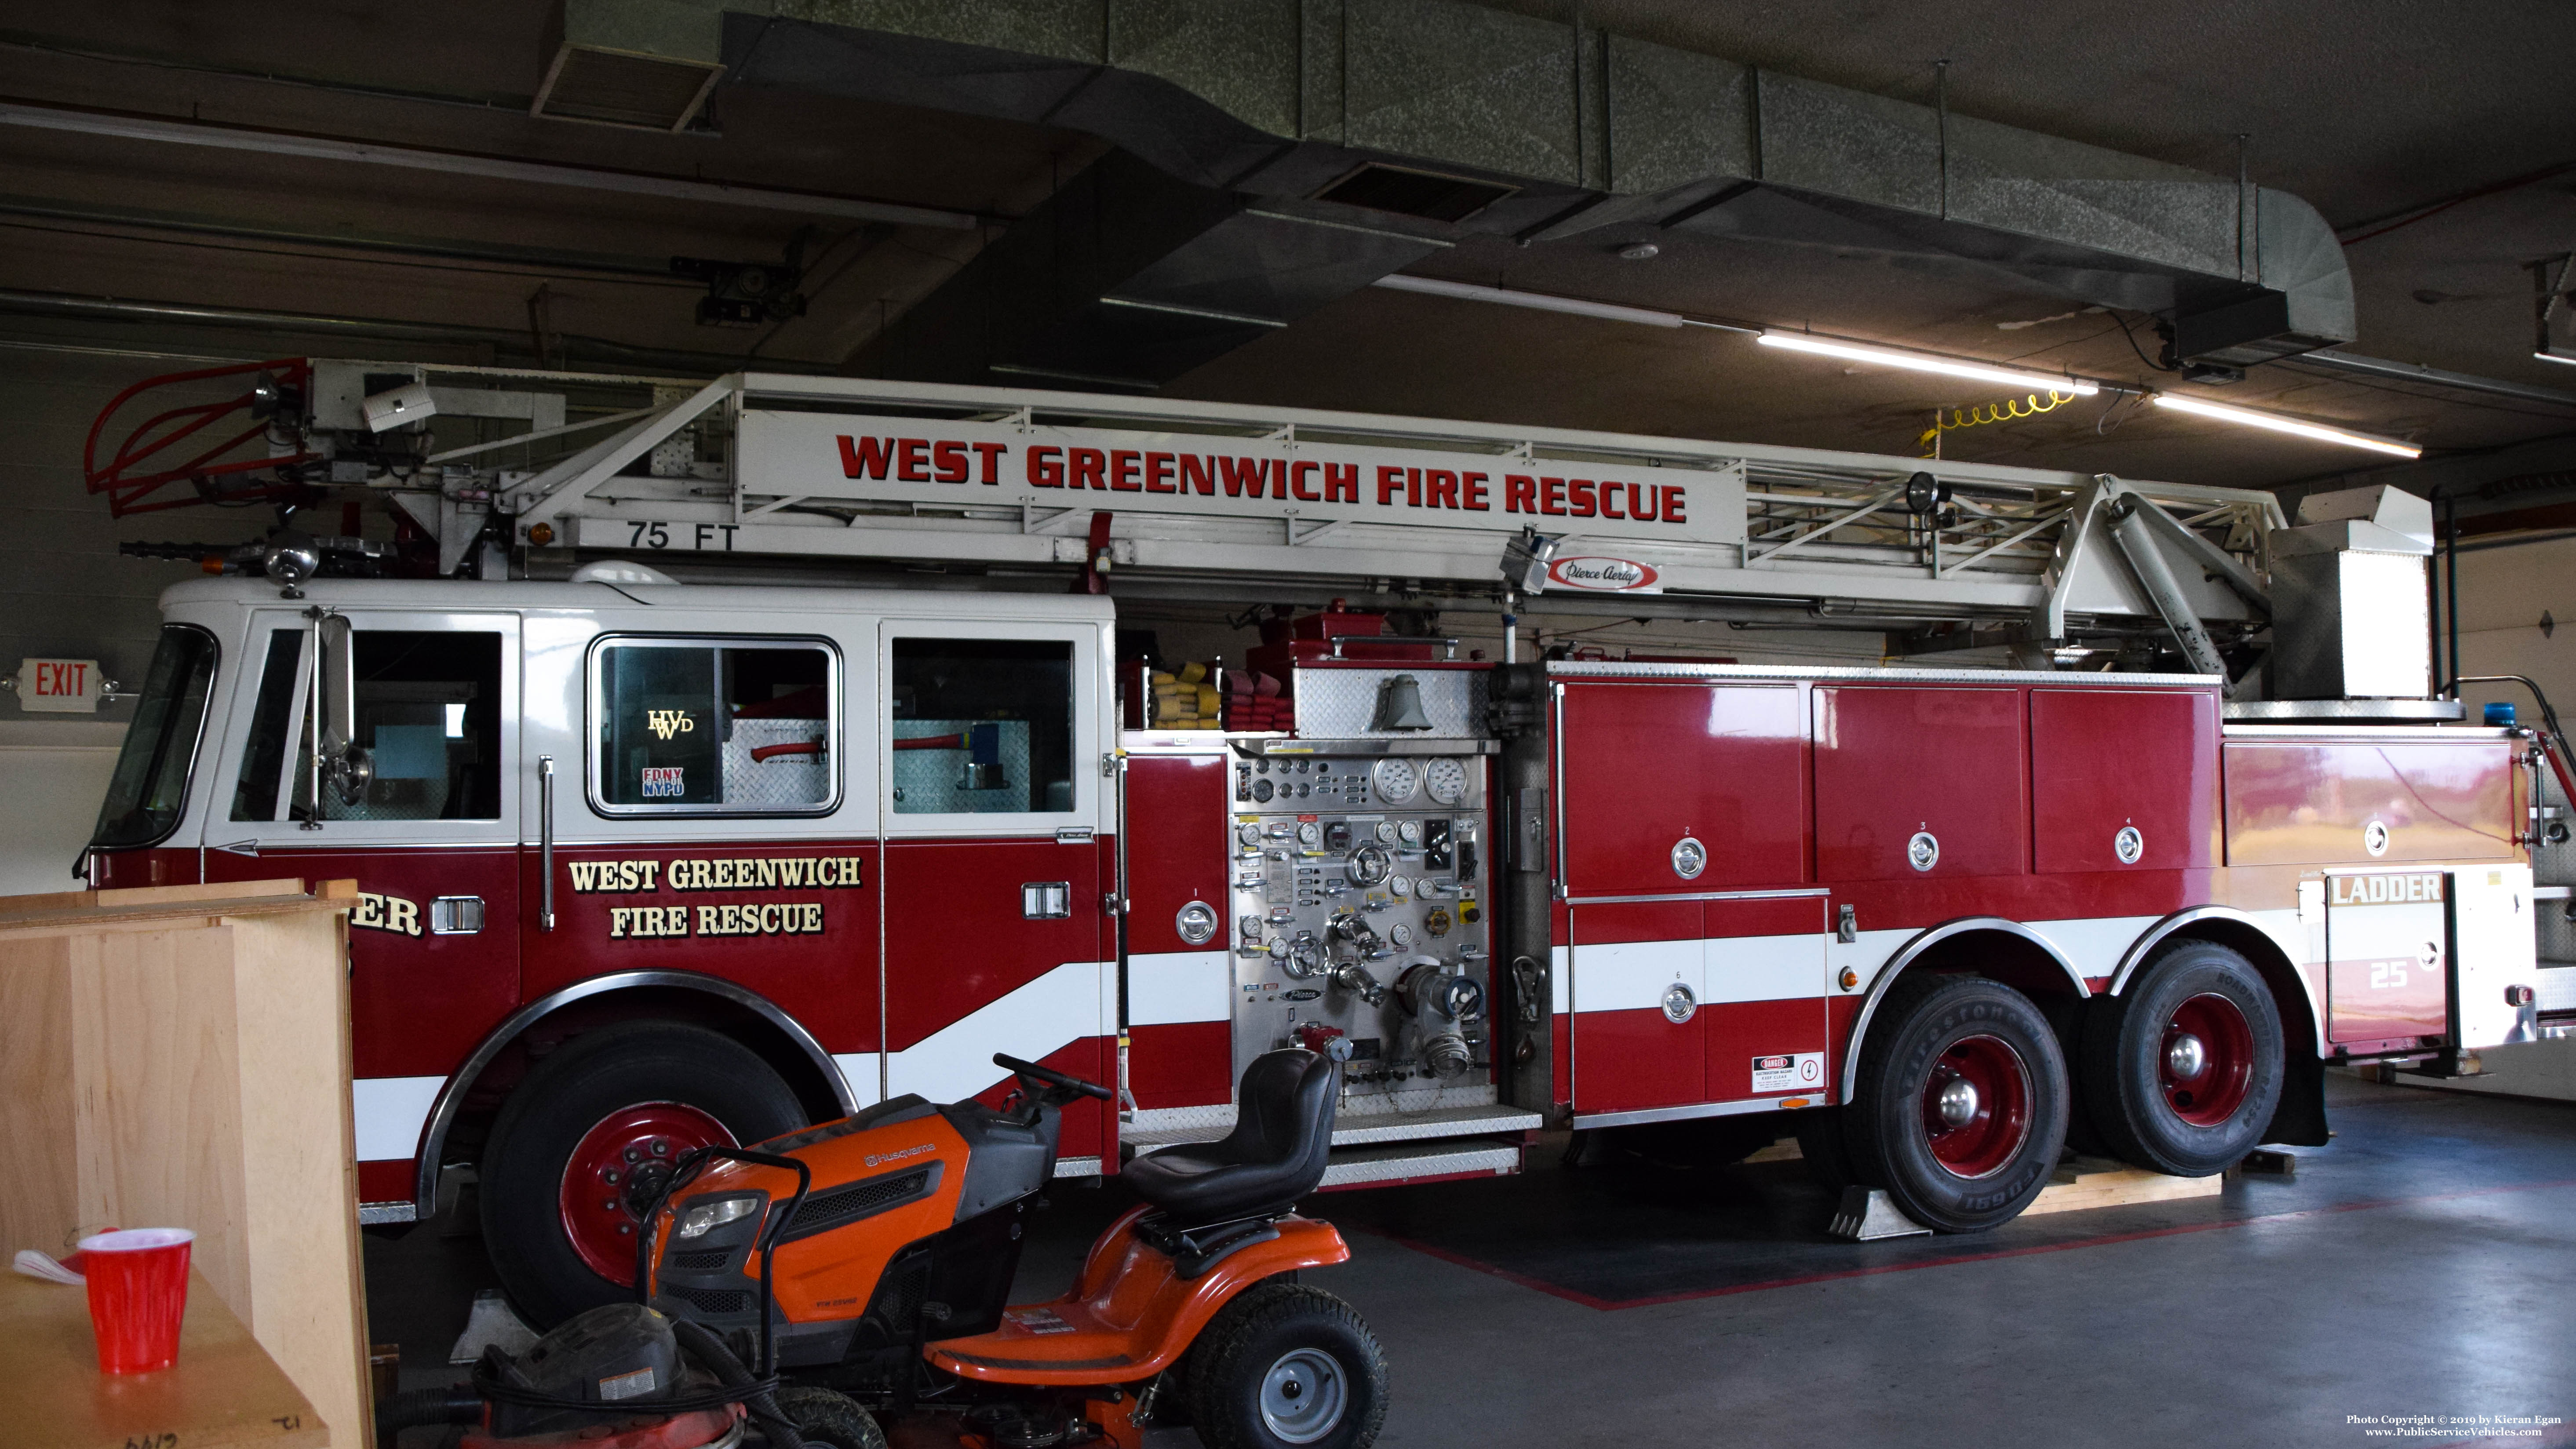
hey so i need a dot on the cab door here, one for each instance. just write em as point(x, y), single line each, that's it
point(431, 839)
point(994, 816)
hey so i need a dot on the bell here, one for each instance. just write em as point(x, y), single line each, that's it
point(1399, 705)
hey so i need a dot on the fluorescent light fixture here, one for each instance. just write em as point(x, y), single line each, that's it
point(2292, 426)
point(1926, 362)
point(1538, 301)
point(2553, 355)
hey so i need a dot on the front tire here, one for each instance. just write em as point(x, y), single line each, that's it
point(1285, 1366)
point(587, 1140)
point(1959, 1109)
point(2182, 1071)
point(823, 1417)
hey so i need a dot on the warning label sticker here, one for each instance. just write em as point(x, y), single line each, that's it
point(1796, 1072)
point(1038, 1320)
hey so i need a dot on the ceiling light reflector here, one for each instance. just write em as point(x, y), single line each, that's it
point(2292, 426)
point(1926, 362)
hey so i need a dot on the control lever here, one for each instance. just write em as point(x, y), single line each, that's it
point(1350, 927)
point(1525, 986)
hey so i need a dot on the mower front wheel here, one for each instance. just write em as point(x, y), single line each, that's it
point(1286, 1366)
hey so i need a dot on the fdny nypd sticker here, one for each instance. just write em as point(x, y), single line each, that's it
point(1794, 1072)
point(663, 782)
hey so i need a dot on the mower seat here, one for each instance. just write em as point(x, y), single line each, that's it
point(1283, 1130)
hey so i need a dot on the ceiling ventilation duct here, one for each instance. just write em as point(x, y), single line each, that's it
point(1326, 137)
point(639, 63)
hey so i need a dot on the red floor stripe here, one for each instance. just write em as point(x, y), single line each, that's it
point(1611, 1305)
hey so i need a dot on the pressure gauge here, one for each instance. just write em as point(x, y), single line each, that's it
point(1396, 779)
point(1310, 834)
point(1401, 886)
point(1409, 832)
point(1249, 832)
point(1444, 780)
point(1263, 789)
point(1386, 832)
point(1400, 937)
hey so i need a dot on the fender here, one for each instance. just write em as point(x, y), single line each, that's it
point(1130, 1316)
point(1924, 941)
point(2156, 934)
point(443, 1114)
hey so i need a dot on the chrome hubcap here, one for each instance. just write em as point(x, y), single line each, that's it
point(1958, 1102)
point(1302, 1396)
point(2185, 1057)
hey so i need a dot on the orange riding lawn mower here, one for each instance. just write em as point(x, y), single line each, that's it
point(850, 1280)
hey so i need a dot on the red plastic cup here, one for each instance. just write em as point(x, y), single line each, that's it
point(138, 1290)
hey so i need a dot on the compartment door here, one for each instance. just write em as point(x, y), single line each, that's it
point(1644, 767)
point(1765, 1001)
point(1639, 981)
point(1179, 970)
point(2387, 958)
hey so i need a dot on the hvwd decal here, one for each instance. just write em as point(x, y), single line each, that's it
point(716, 873)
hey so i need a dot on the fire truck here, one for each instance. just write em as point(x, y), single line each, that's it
point(774, 749)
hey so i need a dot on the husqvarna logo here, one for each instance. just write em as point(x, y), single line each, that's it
point(899, 1154)
point(668, 722)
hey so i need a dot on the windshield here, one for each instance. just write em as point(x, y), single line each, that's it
point(150, 786)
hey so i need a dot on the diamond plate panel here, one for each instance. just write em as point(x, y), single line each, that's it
point(781, 781)
point(1341, 704)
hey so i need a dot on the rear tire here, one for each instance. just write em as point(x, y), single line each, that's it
point(1959, 1109)
point(824, 1417)
point(2183, 1070)
point(680, 1086)
point(1285, 1366)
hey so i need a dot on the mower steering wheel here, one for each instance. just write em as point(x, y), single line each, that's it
point(1050, 1076)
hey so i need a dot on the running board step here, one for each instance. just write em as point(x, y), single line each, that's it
point(1388, 1164)
point(1360, 1129)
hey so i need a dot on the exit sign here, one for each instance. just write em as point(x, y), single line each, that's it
point(60, 686)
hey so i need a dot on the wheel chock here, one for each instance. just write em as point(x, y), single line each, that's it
point(1866, 1215)
point(492, 1321)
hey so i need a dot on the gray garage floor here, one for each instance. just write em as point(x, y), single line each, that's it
point(2424, 1264)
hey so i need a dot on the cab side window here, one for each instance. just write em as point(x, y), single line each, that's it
point(981, 726)
point(429, 715)
point(700, 726)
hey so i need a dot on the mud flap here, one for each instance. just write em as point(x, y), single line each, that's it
point(2300, 1120)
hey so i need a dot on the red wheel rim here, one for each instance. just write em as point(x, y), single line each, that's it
point(1976, 1106)
point(2206, 1061)
point(616, 1171)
